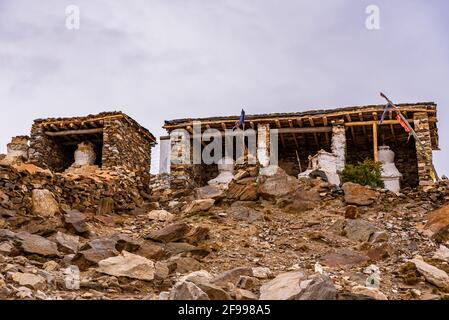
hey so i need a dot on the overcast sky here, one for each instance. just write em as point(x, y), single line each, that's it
point(158, 60)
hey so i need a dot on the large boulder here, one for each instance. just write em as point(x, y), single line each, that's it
point(277, 184)
point(358, 194)
point(128, 265)
point(285, 286)
point(43, 203)
point(438, 224)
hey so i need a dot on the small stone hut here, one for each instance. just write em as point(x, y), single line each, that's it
point(119, 142)
point(352, 134)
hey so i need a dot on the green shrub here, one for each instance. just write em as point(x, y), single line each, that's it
point(366, 173)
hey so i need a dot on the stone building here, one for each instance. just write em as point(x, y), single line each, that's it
point(336, 137)
point(110, 140)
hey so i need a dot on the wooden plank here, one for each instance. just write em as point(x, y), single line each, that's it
point(73, 132)
point(370, 123)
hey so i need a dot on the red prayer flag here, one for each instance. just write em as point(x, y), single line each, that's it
point(403, 123)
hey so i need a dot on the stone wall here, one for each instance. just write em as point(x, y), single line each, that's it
point(44, 152)
point(124, 147)
point(84, 193)
point(422, 129)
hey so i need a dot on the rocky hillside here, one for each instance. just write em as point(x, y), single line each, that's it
point(265, 237)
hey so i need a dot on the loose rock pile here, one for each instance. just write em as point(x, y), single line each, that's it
point(94, 235)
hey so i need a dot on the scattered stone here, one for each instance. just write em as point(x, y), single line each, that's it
point(319, 287)
point(199, 205)
point(343, 257)
point(244, 189)
point(432, 274)
point(277, 185)
point(210, 192)
point(438, 224)
point(261, 272)
point(67, 243)
point(441, 254)
point(244, 213)
point(358, 194)
point(356, 230)
point(29, 280)
point(232, 276)
point(171, 233)
point(242, 294)
point(197, 277)
point(93, 252)
point(187, 264)
point(352, 212)
point(187, 291)
point(34, 244)
point(299, 201)
point(372, 293)
point(75, 221)
point(214, 292)
point(247, 283)
point(160, 215)
point(128, 265)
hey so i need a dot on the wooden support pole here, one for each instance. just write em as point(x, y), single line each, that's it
point(73, 132)
point(376, 148)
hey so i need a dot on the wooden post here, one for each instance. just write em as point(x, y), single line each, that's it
point(376, 148)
